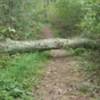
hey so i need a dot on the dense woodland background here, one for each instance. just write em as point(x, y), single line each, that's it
point(25, 19)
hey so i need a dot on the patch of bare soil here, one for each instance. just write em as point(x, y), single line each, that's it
point(62, 80)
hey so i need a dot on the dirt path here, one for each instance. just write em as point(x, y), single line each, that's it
point(62, 79)
point(47, 32)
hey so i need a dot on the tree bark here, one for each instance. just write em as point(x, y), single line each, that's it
point(11, 46)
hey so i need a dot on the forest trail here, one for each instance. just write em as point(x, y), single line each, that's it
point(62, 79)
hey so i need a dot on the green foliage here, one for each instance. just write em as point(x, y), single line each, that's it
point(67, 15)
point(22, 16)
point(8, 32)
point(73, 18)
point(19, 74)
point(90, 23)
point(79, 51)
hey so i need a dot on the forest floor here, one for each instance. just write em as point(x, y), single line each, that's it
point(62, 79)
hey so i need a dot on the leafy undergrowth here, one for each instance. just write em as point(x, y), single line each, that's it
point(90, 64)
point(19, 74)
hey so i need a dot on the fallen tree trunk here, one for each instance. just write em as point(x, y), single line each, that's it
point(11, 46)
